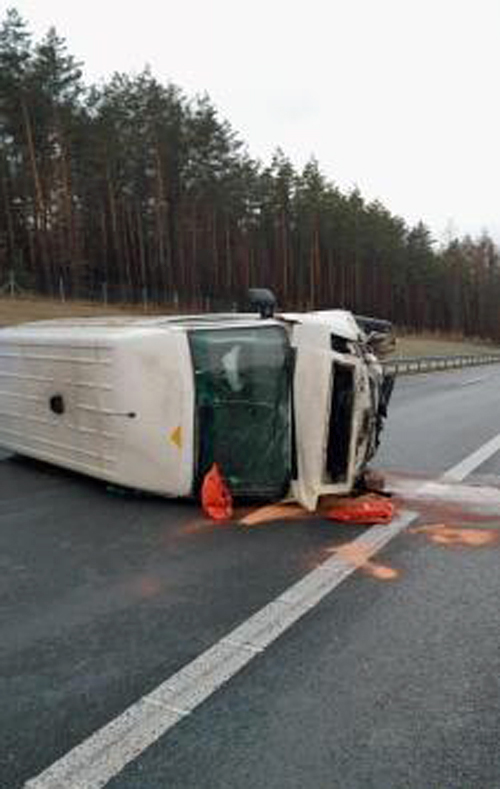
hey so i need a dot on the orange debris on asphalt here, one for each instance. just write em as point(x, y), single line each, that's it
point(216, 498)
point(443, 534)
point(273, 512)
point(358, 555)
point(364, 510)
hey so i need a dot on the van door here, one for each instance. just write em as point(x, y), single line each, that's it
point(243, 381)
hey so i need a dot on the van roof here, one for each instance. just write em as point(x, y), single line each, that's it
point(127, 325)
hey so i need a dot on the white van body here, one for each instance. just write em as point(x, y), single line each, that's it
point(150, 402)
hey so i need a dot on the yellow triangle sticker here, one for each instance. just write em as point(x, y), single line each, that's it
point(176, 437)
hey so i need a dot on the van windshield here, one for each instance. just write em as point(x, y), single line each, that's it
point(243, 407)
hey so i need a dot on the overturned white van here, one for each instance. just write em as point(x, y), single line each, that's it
point(286, 405)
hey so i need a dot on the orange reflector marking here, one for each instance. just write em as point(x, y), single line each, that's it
point(176, 437)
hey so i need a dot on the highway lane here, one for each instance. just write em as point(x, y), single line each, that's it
point(105, 596)
point(438, 418)
point(391, 685)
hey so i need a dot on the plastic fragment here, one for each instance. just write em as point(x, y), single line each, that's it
point(364, 510)
point(216, 499)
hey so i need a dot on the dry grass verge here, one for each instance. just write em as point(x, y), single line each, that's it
point(422, 345)
point(19, 310)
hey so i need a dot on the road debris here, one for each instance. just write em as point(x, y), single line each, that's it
point(458, 536)
point(365, 510)
point(358, 556)
point(216, 498)
point(274, 512)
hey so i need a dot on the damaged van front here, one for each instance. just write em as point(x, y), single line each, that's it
point(340, 401)
point(291, 405)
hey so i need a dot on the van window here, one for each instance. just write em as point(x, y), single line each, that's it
point(243, 379)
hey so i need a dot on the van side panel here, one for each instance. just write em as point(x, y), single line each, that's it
point(53, 399)
point(115, 405)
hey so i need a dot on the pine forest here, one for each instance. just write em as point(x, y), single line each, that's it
point(132, 191)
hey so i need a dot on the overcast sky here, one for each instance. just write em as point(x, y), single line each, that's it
point(397, 96)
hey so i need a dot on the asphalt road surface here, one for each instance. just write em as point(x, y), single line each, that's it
point(391, 681)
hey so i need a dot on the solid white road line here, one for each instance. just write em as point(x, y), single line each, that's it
point(472, 462)
point(481, 498)
point(105, 753)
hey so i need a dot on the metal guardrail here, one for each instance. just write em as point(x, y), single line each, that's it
point(410, 365)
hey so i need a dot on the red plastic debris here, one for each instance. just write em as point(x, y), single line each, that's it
point(365, 510)
point(216, 499)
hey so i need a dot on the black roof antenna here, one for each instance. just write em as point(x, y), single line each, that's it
point(262, 300)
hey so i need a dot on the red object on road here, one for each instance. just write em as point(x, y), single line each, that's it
point(365, 510)
point(216, 498)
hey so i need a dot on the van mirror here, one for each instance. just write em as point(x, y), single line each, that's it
point(382, 344)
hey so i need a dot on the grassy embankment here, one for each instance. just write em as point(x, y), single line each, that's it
point(432, 345)
point(14, 310)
